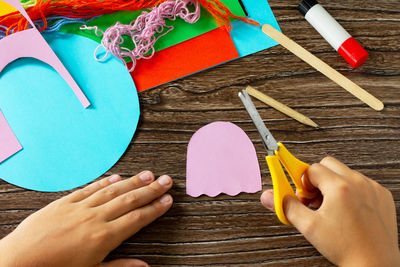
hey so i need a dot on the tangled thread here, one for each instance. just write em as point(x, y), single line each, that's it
point(144, 31)
point(54, 24)
point(42, 10)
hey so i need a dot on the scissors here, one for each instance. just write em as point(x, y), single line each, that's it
point(277, 155)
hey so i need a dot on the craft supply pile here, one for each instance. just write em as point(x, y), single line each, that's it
point(63, 123)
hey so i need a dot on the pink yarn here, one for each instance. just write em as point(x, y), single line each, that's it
point(143, 30)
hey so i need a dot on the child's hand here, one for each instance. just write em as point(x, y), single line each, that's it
point(80, 229)
point(356, 223)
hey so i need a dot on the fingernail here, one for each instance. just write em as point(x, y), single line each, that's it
point(267, 199)
point(114, 178)
point(146, 177)
point(164, 180)
point(136, 263)
point(165, 199)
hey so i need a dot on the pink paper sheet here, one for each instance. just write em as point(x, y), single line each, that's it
point(30, 43)
point(221, 159)
point(9, 144)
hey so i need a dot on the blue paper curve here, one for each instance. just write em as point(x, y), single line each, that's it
point(65, 145)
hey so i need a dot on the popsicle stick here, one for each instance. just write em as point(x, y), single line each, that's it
point(322, 67)
point(281, 107)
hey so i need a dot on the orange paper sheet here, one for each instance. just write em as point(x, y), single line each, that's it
point(194, 55)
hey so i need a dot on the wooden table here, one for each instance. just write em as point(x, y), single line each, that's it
point(238, 231)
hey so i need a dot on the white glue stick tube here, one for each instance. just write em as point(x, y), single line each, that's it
point(333, 33)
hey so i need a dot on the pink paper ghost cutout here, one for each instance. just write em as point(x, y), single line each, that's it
point(221, 159)
point(14, 46)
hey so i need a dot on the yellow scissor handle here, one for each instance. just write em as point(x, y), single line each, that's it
point(281, 186)
point(296, 168)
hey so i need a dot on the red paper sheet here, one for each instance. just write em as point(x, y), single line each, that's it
point(194, 55)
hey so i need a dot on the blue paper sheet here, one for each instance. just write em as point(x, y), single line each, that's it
point(248, 38)
point(65, 145)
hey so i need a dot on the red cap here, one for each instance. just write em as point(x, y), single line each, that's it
point(353, 52)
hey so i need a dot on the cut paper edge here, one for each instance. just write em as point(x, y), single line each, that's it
point(221, 159)
point(10, 143)
point(13, 48)
point(217, 193)
point(175, 62)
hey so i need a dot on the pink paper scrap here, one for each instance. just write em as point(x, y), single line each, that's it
point(221, 159)
point(9, 144)
point(15, 46)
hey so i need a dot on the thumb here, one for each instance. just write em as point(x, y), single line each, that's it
point(299, 215)
point(267, 199)
point(124, 263)
point(295, 211)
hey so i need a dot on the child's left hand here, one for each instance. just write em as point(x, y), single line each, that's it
point(81, 228)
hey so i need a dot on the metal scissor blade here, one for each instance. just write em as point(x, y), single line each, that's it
point(268, 140)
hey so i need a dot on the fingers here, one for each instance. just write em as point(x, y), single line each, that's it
point(316, 202)
point(113, 191)
point(336, 166)
point(136, 198)
point(130, 223)
point(322, 178)
point(87, 191)
point(308, 186)
point(124, 263)
point(343, 173)
point(295, 211)
point(328, 174)
point(267, 199)
point(299, 215)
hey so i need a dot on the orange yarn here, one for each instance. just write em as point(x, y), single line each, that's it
point(222, 14)
point(92, 8)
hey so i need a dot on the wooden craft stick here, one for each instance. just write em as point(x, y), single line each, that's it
point(280, 107)
point(322, 67)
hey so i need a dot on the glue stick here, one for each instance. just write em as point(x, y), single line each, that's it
point(333, 33)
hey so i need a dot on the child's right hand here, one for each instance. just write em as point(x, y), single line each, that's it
point(355, 225)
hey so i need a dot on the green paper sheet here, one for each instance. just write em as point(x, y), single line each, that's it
point(182, 30)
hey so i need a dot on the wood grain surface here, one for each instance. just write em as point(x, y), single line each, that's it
point(238, 231)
